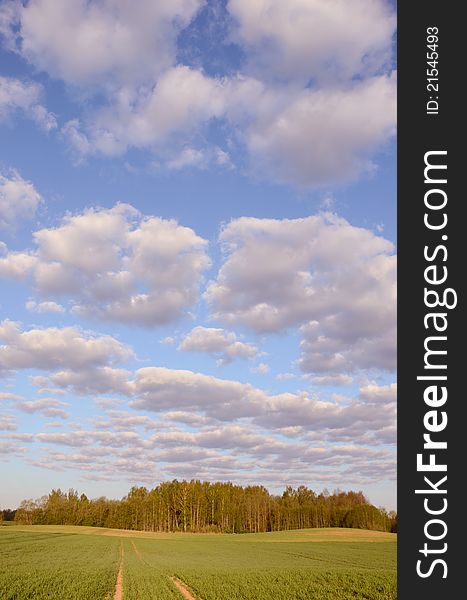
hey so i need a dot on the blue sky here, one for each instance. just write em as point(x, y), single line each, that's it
point(197, 256)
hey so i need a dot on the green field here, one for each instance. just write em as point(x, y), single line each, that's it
point(82, 563)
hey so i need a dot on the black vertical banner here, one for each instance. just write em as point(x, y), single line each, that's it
point(432, 434)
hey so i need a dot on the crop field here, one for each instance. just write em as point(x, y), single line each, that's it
point(82, 563)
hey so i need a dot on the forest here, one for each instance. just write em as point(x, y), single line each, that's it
point(195, 506)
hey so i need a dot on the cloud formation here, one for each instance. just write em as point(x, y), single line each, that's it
point(312, 102)
point(199, 399)
point(7, 423)
point(48, 407)
point(44, 307)
point(315, 40)
point(219, 343)
point(336, 279)
point(87, 43)
point(16, 265)
point(53, 348)
point(114, 264)
point(327, 135)
point(16, 95)
point(18, 199)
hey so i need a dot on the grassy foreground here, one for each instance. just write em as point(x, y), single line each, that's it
point(81, 563)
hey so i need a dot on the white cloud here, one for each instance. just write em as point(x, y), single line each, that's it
point(94, 380)
point(49, 407)
point(295, 131)
point(22, 437)
point(158, 389)
point(385, 394)
point(119, 420)
point(201, 158)
point(301, 136)
point(44, 307)
point(285, 376)
point(180, 101)
point(315, 40)
point(219, 343)
point(190, 397)
point(326, 135)
point(7, 423)
point(188, 157)
point(105, 403)
point(338, 279)
point(10, 396)
point(53, 348)
point(330, 379)
point(17, 265)
point(261, 369)
point(110, 42)
point(18, 199)
point(225, 452)
point(11, 449)
point(320, 440)
point(24, 96)
point(53, 391)
point(115, 265)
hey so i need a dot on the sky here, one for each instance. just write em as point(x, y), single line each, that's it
point(197, 245)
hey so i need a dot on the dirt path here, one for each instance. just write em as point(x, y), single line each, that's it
point(181, 587)
point(119, 585)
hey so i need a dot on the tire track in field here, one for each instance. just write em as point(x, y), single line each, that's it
point(140, 556)
point(137, 552)
point(182, 588)
point(119, 585)
point(179, 584)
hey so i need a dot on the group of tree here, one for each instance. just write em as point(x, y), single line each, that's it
point(196, 506)
point(7, 515)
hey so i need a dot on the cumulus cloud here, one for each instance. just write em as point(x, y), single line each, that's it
point(10, 396)
point(319, 440)
point(337, 279)
point(90, 43)
point(286, 376)
point(24, 96)
point(9, 449)
point(326, 419)
point(312, 104)
point(326, 135)
point(226, 452)
point(373, 393)
point(261, 369)
point(18, 199)
point(44, 307)
point(120, 420)
point(181, 393)
point(94, 380)
point(200, 158)
point(315, 40)
point(158, 388)
point(53, 348)
point(115, 265)
point(196, 399)
point(305, 137)
point(330, 379)
point(49, 407)
point(17, 265)
point(178, 103)
point(7, 423)
point(219, 343)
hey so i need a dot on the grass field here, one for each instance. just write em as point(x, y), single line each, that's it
point(82, 563)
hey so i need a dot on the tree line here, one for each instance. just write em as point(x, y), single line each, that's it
point(196, 506)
